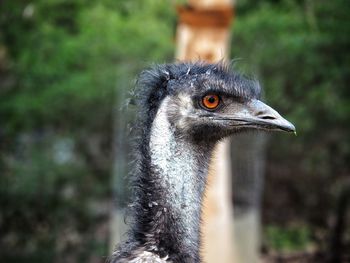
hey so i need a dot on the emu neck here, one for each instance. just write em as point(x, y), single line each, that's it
point(178, 170)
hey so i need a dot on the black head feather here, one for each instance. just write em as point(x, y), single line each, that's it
point(156, 83)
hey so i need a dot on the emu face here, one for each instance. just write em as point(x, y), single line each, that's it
point(211, 107)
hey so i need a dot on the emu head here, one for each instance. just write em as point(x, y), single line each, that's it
point(209, 101)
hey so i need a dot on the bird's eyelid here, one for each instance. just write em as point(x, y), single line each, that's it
point(223, 94)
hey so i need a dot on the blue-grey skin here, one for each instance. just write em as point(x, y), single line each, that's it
point(177, 135)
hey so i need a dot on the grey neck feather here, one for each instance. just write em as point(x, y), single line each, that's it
point(180, 168)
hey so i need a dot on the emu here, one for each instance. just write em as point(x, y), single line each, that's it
point(184, 110)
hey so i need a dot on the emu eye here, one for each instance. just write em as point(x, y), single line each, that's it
point(211, 101)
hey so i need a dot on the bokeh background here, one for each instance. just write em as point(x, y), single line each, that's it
point(63, 68)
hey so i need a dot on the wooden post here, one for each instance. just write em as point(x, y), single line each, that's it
point(203, 33)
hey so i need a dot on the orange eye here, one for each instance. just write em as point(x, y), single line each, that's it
point(211, 101)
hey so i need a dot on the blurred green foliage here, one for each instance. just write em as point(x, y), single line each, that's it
point(287, 239)
point(300, 51)
point(59, 66)
point(65, 56)
point(63, 65)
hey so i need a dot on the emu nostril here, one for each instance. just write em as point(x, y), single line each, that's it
point(268, 117)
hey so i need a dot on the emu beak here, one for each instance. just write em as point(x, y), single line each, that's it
point(262, 116)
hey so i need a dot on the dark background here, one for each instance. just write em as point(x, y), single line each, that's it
point(63, 65)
